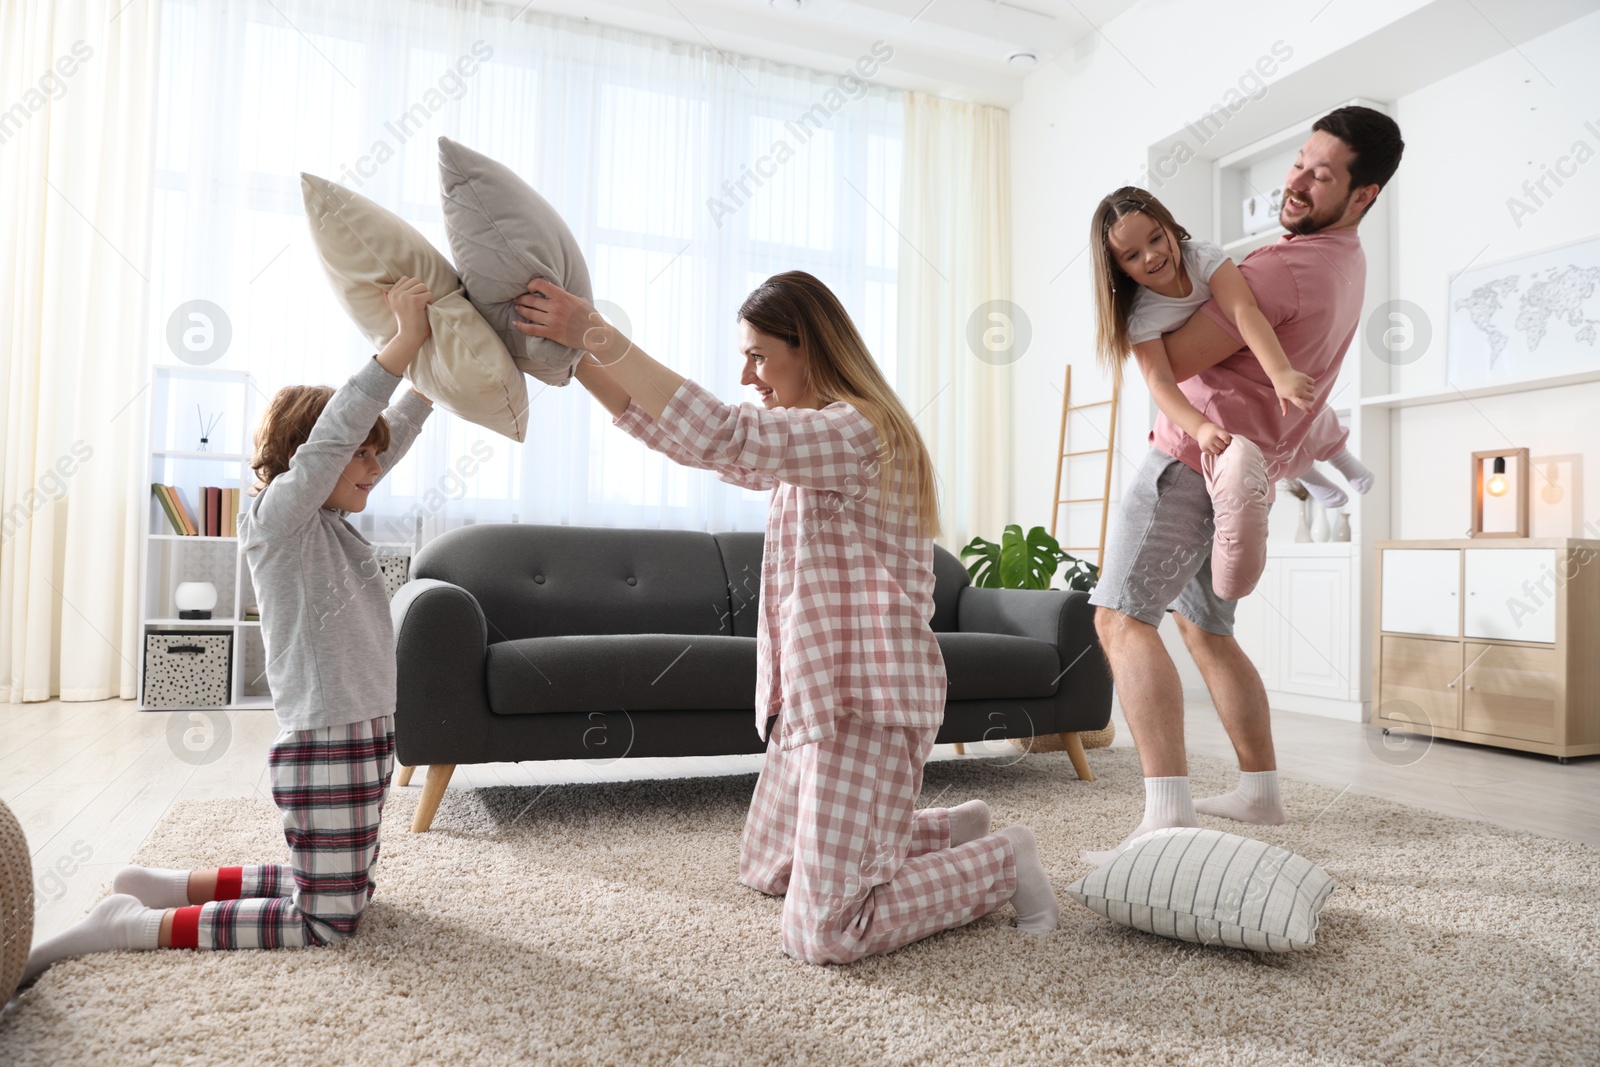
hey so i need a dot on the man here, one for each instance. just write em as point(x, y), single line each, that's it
point(1309, 286)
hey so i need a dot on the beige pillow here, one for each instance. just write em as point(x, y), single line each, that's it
point(1212, 888)
point(464, 367)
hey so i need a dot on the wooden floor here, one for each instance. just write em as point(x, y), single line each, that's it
point(88, 781)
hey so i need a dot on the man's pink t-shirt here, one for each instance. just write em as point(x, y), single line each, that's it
point(1309, 289)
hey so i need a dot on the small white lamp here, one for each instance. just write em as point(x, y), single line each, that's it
point(195, 599)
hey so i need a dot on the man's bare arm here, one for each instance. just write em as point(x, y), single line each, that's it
point(1197, 345)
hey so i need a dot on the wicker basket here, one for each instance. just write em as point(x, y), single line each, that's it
point(16, 903)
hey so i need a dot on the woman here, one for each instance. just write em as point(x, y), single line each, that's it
point(848, 668)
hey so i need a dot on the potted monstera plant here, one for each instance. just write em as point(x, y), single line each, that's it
point(1025, 561)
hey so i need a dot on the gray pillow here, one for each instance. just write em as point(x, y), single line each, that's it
point(503, 235)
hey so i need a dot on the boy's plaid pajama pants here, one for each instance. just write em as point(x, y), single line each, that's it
point(833, 827)
point(329, 785)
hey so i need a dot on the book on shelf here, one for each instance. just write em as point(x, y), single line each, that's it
point(168, 508)
point(216, 516)
point(184, 511)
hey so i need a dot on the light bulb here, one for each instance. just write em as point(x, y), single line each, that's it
point(1496, 486)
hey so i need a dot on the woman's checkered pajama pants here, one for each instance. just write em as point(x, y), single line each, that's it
point(832, 826)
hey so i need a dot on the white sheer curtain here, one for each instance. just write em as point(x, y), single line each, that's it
point(687, 176)
point(77, 81)
point(957, 327)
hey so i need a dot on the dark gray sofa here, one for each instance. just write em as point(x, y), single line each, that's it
point(527, 642)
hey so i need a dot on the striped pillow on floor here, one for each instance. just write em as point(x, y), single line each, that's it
point(1211, 888)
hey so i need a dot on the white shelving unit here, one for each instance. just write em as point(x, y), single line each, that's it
point(176, 458)
point(1317, 661)
point(180, 396)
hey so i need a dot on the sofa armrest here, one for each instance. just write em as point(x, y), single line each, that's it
point(1064, 618)
point(441, 710)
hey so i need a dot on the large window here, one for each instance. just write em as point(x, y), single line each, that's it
point(687, 177)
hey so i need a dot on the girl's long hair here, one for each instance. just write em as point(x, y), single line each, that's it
point(1114, 291)
point(804, 312)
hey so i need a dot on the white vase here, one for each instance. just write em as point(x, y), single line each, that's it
point(1341, 530)
point(1303, 532)
point(1319, 527)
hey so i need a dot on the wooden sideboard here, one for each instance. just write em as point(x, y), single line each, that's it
point(1491, 641)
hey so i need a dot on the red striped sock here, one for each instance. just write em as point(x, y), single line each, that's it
point(186, 927)
point(230, 880)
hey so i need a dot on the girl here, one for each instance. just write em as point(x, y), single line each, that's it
point(1150, 277)
point(848, 666)
point(330, 665)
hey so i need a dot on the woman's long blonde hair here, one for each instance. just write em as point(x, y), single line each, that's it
point(1114, 291)
point(803, 312)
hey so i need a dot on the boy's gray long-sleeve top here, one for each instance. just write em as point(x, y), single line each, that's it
point(324, 612)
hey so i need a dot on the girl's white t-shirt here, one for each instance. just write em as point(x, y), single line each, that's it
point(1153, 314)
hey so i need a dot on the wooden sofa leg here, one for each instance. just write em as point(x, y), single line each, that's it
point(1074, 743)
point(961, 749)
point(432, 792)
point(403, 775)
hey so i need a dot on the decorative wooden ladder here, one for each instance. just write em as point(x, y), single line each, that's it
point(1063, 454)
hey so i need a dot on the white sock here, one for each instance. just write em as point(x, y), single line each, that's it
point(968, 822)
point(1038, 911)
point(1355, 472)
point(1166, 803)
point(1322, 490)
point(156, 887)
point(1255, 800)
point(117, 922)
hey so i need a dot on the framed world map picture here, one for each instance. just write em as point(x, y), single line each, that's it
point(1528, 318)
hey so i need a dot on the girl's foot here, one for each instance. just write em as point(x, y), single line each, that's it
point(118, 922)
point(155, 887)
point(1322, 490)
point(1355, 472)
point(1038, 911)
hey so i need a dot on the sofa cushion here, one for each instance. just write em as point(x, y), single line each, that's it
point(998, 667)
point(741, 562)
point(535, 580)
point(949, 578)
point(621, 672)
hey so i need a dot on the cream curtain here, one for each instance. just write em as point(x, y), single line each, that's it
point(78, 85)
point(958, 332)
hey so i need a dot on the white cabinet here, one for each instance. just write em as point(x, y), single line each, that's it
point(1316, 640)
point(1510, 594)
point(1421, 591)
point(1298, 630)
point(1519, 670)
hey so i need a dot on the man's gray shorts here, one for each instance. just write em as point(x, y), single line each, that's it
point(1158, 557)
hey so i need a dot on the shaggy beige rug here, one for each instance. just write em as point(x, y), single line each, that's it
point(604, 924)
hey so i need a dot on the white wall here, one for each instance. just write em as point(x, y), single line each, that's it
point(1471, 142)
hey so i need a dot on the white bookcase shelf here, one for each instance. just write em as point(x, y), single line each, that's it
point(182, 399)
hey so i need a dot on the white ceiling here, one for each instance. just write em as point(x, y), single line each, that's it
point(957, 48)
